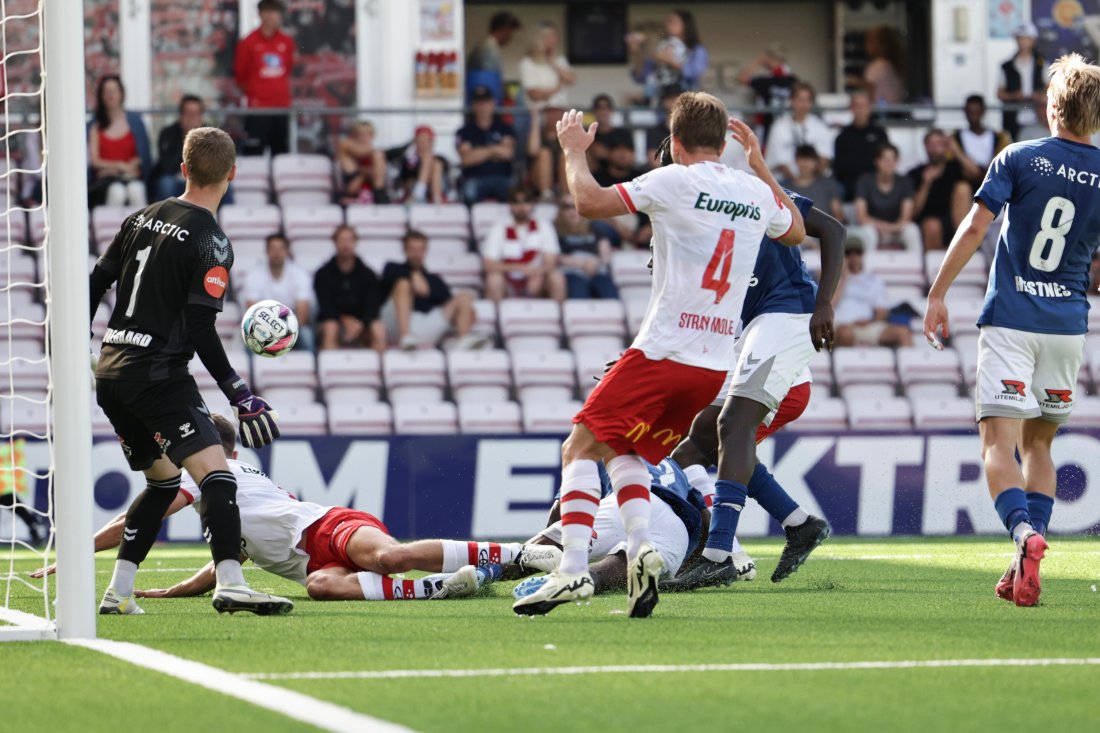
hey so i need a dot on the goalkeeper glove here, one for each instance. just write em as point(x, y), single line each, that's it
point(257, 422)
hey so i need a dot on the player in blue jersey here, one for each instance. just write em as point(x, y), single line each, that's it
point(676, 530)
point(1035, 316)
point(786, 318)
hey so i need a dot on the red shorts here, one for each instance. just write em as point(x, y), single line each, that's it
point(645, 406)
point(790, 409)
point(326, 540)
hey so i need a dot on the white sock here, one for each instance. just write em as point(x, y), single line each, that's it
point(580, 499)
point(377, 587)
point(716, 555)
point(456, 553)
point(630, 479)
point(123, 579)
point(229, 573)
point(420, 191)
point(1018, 531)
point(795, 518)
point(701, 481)
point(736, 548)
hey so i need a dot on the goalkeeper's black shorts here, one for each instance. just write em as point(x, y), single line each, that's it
point(156, 418)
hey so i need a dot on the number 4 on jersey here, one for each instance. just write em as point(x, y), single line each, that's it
point(722, 258)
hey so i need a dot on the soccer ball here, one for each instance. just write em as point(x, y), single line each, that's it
point(269, 328)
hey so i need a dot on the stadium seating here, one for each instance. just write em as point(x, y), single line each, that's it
point(500, 417)
point(302, 179)
point(303, 419)
point(425, 368)
point(890, 413)
point(106, 221)
point(529, 317)
point(628, 267)
point(318, 222)
point(491, 368)
point(349, 368)
point(554, 417)
point(952, 413)
point(440, 418)
point(296, 369)
point(485, 215)
point(378, 221)
point(864, 364)
point(923, 364)
point(461, 270)
point(374, 418)
point(896, 268)
point(350, 395)
point(822, 413)
point(250, 222)
point(544, 369)
point(594, 318)
point(440, 220)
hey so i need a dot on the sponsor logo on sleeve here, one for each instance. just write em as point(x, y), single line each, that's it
point(1059, 395)
point(1013, 387)
point(215, 281)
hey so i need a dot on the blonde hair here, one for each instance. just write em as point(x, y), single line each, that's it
point(1074, 91)
point(699, 120)
point(537, 50)
point(209, 154)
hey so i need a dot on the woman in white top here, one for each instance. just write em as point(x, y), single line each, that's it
point(543, 72)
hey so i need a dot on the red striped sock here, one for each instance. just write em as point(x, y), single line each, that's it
point(580, 499)
point(456, 553)
point(630, 479)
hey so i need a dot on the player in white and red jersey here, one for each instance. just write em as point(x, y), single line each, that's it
point(708, 221)
point(336, 553)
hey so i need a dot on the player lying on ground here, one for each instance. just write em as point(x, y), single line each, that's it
point(336, 553)
point(171, 262)
point(1035, 317)
point(679, 359)
point(787, 318)
point(772, 352)
point(677, 528)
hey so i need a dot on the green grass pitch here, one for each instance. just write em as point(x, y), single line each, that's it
point(855, 600)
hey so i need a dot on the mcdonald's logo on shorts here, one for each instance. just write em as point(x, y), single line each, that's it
point(638, 432)
point(670, 439)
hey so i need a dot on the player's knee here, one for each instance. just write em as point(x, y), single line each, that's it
point(321, 587)
point(392, 559)
point(734, 427)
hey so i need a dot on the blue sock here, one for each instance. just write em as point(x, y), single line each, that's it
point(729, 500)
point(769, 494)
point(1040, 507)
point(1011, 505)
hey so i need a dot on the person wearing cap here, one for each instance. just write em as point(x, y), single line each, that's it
point(483, 64)
point(1023, 81)
point(863, 305)
point(486, 149)
point(421, 174)
point(262, 65)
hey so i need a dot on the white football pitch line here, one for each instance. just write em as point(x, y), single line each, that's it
point(382, 674)
point(318, 713)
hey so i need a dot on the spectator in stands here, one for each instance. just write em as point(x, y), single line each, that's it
point(942, 195)
point(521, 256)
point(677, 62)
point(883, 74)
point(857, 144)
point(362, 166)
point(585, 255)
point(862, 306)
point(603, 109)
point(544, 74)
point(262, 67)
point(483, 65)
point(286, 281)
point(799, 127)
point(620, 168)
point(1023, 82)
point(655, 135)
point(486, 147)
point(977, 145)
point(118, 150)
point(823, 190)
point(884, 205)
point(421, 308)
point(421, 174)
point(545, 161)
point(167, 179)
point(769, 76)
point(349, 298)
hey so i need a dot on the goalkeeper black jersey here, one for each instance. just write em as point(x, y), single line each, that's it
point(165, 257)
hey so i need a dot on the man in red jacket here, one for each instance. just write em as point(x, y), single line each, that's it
point(262, 67)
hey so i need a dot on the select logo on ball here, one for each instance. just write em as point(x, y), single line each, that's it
point(216, 280)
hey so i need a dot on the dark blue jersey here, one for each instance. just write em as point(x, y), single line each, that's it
point(780, 282)
point(1050, 192)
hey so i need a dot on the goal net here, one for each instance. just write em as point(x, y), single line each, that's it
point(43, 325)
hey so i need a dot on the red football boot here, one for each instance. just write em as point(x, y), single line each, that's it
point(1004, 585)
point(1026, 587)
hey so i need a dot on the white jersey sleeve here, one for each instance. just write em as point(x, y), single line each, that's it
point(649, 192)
point(272, 521)
point(780, 221)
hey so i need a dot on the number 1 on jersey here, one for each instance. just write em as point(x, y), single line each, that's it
point(722, 258)
point(142, 256)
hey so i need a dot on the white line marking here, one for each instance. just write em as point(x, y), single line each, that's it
point(25, 626)
point(309, 710)
point(385, 674)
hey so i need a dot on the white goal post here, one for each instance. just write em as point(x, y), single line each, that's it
point(64, 256)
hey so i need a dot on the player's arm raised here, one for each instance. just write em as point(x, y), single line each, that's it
point(743, 134)
point(965, 243)
point(832, 235)
point(593, 201)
